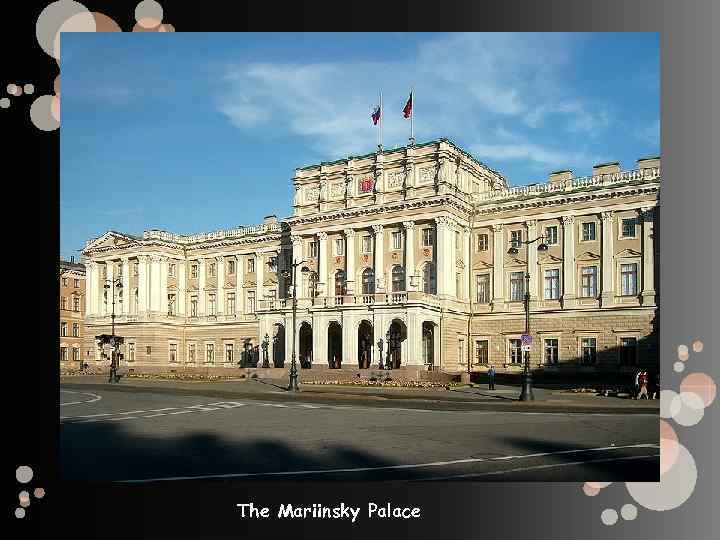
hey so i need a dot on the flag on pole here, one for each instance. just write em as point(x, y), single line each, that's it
point(376, 115)
point(407, 110)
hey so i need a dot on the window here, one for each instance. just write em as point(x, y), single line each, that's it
point(398, 278)
point(131, 352)
point(173, 353)
point(314, 247)
point(251, 266)
point(211, 304)
point(588, 282)
point(76, 304)
point(551, 235)
point(628, 279)
point(229, 353)
point(63, 354)
point(191, 353)
point(63, 329)
point(628, 351)
point(551, 351)
point(76, 354)
point(148, 350)
point(63, 302)
point(339, 247)
point(209, 353)
point(482, 242)
point(517, 286)
point(171, 270)
point(483, 288)
point(368, 281)
point(461, 351)
point(367, 243)
point(629, 227)
point(171, 304)
point(193, 306)
point(588, 231)
point(552, 284)
point(515, 351)
point(76, 330)
point(76, 283)
point(231, 303)
point(397, 240)
point(429, 279)
point(251, 301)
point(516, 238)
point(64, 282)
point(194, 271)
point(340, 288)
point(428, 237)
point(588, 351)
point(211, 270)
point(481, 352)
point(136, 269)
point(272, 264)
point(231, 267)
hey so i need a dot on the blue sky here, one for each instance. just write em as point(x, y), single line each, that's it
point(193, 132)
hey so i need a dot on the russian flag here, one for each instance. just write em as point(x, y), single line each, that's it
point(407, 110)
point(376, 115)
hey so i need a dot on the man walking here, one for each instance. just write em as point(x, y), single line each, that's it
point(643, 381)
point(491, 378)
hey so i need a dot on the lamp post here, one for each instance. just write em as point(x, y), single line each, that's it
point(526, 392)
point(380, 356)
point(293, 386)
point(111, 284)
point(265, 345)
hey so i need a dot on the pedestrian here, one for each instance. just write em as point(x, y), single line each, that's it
point(491, 378)
point(636, 384)
point(643, 382)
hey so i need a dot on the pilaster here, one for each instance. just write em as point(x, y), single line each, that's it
point(569, 290)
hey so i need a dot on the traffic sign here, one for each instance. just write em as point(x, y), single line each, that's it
point(526, 339)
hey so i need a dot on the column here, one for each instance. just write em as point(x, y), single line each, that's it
point(608, 266)
point(410, 255)
point(181, 288)
point(89, 283)
point(127, 293)
point(532, 258)
point(239, 282)
point(350, 260)
point(467, 259)
point(323, 281)
point(110, 276)
point(221, 285)
point(648, 256)
point(452, 242)
point(163, 290)
point(201, 288)
point(143, 292)
point(260, 275)
point(379, 258)
point(498, 267)
point(442, 226)
point(569, 293)
point(155, 283)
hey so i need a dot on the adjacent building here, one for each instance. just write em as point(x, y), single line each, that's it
point(424, 247)
point(72, 311)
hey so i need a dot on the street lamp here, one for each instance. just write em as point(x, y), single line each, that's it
point(111, 284)
point(265, 345)
point(526, 392)
point(380, 356)
point(293, 386)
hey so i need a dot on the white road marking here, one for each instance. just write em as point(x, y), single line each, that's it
point(388, 467)
point(94, 398)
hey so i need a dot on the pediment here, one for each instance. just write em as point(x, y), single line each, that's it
point(588, 256)
point(514, 261)
point(629, 253)
point(482, 265)
point(110, 239)
point(270, 281)
point(549, 258)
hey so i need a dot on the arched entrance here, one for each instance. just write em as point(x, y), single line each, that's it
point(396, 336)
point(279, 346)
point(428, 343)
point(334, 346)
point(305, 345)
point(365, 344)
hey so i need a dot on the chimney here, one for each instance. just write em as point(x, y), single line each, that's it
point(269, 220)
point(559, 177)
point(606, 168)
point(648, 162)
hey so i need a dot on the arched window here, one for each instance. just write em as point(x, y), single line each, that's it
point(398, 278)
point(368, 281)
point(429, 279)
point(340, 288)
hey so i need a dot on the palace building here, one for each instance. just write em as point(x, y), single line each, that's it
point(424, 247)
point(72, 310)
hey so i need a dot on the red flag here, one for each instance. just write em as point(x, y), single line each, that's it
point(407, 111)
point(376, 115)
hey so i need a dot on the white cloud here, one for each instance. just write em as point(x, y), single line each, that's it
point(544, 157)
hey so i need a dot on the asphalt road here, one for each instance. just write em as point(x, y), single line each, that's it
point(145, 434)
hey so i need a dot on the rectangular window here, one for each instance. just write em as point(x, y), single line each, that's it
point(552, 284)
point(64, 282)
point(516, 238)
point(551, 351)
point(76, 354)
point(481, 352)
point(367, 244)
point(588, 351)
point(194, 271)
point(314, 247)
point(191, 353)
point(339, 247)
point(131, 352)
point(76, 304)
point(231, 303)
point(629, 227)
point(628, 351)
point(76, 330)
point(229, 353)
point(193, 306)
point(628, 279)
point(251, 266)
point(461, 351)
point(515, 351)
point(428, 237)
point(211, 270)
point(551, 235)
point(63, 354)
point(171, 270)
point(588, 231)
point(63, 302)
point(136, 269)
point(211, 304)
point(482, 242)
point(231, 267)
point(272, 264)
point(483, 288)
point(397, 240)
point(209, 353)
point(63, 329)
point(588, 282)
point(517, 286)
point(251, 301)
point(148, 350)
point(173, 353)
point(76, 283)
point(171, 304)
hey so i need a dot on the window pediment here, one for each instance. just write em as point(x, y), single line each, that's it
point(588, 256)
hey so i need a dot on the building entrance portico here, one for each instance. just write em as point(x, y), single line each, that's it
point(334, 345)
point(396, 343)
point(365, 342)
point(305, 345)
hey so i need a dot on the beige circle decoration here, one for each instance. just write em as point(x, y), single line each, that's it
point(41, 114)
point(148, 12)
point(51, 19)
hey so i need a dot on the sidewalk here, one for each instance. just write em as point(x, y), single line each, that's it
point(504, 398)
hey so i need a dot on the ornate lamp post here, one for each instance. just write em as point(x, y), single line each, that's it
point(526, 392)
point(265, 345)
point(380, 356)
point(293, 386)
point(114, 343)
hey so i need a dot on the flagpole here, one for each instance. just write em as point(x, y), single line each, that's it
point(380, 146)
point(412, 115)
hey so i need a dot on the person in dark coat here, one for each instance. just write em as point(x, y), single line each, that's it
point(491, 378)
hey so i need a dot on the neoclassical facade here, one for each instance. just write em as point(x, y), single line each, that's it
point(422, 246)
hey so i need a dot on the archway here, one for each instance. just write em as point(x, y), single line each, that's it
point(279, 346)
point(305, 345)
point(368, 281)
point(428, 343)
point(396, 336)
point(334, 346)
point(365, 344)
